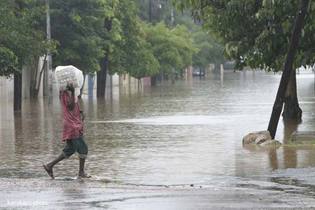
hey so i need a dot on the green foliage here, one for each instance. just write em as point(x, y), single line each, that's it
point(131, 53)
point(77, 26)
point(209, 51)
point(161, 10)
point(147, 64)
point(85, 32)
point(147, 50)
point(8, 62)
point(256, 33)
point(21, 39)
point(173, 48)
point(157, 48)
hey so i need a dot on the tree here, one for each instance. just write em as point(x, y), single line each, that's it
point(8, 62)
point(74, 26)
point(109, 32)
point(283, 86)
point(257, 34)
point(154, 11)
point(85, 31)
point(173, 48)
point(126, 49)
point(209, 51)
point(21, 40)
point(132, 53)
point(103, 36)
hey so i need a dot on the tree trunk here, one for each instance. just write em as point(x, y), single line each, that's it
point(153, 80)
point(289, 153)
point(139, 84)
point(150, 11)
point(36, 77)
point(17, 91)
point(278, 104)
point(81, 89)
point(33, 90)
point(101, 78)
point(101, 75)
point(292, 110)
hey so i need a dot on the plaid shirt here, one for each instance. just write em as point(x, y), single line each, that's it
point(72, 122)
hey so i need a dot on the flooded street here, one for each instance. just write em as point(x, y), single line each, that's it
point(173, 146)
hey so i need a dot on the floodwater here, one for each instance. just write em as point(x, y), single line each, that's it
point(173, 146)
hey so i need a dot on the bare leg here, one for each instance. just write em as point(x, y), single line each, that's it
point(49, 167)
point(82, 174)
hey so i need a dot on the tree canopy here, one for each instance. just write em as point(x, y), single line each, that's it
point(21, 39)
point(77, 26)
point(84, 31)
point(132, 54)
point(256, 33)
point(209, 50)
point(173, 48)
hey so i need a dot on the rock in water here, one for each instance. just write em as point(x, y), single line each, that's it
point(271, 143)
point(257, 137)
point(260, 138)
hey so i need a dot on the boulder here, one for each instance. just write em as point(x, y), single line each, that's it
point(270, 143)
point(260, 138)
point(257, 137)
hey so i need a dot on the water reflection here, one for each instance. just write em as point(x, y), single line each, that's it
point(187, 132)
point(273, 158)
point(7, 134)
point(289, 153)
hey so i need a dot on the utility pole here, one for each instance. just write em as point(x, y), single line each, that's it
point(48, 73)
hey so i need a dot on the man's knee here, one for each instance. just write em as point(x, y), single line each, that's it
point(82, 148)
point(67, 152)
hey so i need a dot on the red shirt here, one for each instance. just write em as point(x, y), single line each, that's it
point(72, 122)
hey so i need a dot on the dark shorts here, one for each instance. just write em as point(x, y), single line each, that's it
point(75, 145)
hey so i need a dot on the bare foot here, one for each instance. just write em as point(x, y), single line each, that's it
point(84, 175)
point(49, 171)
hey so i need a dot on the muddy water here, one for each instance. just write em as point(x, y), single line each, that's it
point(187, 133)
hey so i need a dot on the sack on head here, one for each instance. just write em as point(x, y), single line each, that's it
point(68, 75)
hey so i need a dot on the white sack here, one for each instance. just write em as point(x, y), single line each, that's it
point(69, 75)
